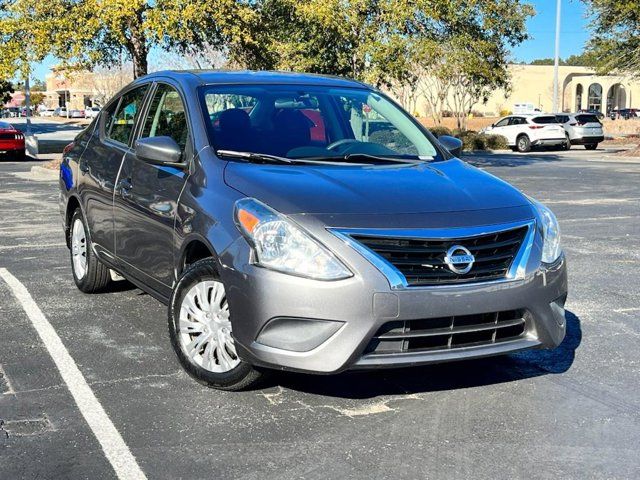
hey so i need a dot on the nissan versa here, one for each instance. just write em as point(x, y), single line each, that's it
point(305, 223)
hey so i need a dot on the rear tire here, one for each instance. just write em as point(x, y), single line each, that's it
point(591, 146)
point(89, 274)
point(523, 144)
point(201, 332)
point(567, 144)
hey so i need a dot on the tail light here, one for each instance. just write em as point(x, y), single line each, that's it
point(68, 148)
point(19, 136)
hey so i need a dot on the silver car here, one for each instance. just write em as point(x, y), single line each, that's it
point(582, 129)
point(305, 223)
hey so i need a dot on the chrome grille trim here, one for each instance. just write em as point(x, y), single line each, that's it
point(398, 281)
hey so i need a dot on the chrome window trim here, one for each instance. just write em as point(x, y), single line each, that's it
point(397, 280)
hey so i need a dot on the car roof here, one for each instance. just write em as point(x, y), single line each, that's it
point(239, 77)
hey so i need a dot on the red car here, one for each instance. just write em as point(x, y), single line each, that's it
point(11, 141)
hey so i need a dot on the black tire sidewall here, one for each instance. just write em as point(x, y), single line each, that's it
point(241, 376)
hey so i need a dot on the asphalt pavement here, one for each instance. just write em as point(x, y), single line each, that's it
point(573, 412)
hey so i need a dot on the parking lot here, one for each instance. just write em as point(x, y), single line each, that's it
point(573, 412)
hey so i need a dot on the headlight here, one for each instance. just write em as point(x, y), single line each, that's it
point(281, 245)
point(551, 249)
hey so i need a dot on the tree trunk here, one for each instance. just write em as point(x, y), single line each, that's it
point(139, 51)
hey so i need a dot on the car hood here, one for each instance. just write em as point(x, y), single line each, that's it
point(447, 186)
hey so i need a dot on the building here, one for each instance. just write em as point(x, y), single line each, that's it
point(579, 88)
point(77, 90)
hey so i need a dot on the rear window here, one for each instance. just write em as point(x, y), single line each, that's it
point(545, 120)
point(587, 119)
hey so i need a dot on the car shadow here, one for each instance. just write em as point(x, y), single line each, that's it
point(509, 159)
point(445, 376)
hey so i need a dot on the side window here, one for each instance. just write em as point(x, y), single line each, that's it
point(517, 121)
point(120, 126)
point(166, 117)
point(503, 123)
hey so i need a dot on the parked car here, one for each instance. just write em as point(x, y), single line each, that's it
point(76, 113)
point(48, 112)
point(276, 249)
point(582, 129)
point(11, 112)
point(625, 113)
point(593, 111)
point(11, 142)
point(524, 132)
point(91, 112)
point(60, 112)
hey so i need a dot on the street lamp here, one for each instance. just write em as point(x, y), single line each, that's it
point(556, 61)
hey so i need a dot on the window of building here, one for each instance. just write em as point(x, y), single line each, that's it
point(595, 97)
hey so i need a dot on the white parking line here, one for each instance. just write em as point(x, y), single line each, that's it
point(116, 451)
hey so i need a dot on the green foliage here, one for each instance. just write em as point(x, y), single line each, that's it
point(615, 45)
point(6, 89)
point(440, 130)
point(585, 59)
point(496, 142)
point(86, 33)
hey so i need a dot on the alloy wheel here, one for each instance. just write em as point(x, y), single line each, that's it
point(204, 328)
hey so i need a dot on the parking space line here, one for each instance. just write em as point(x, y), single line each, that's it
point(113, 445)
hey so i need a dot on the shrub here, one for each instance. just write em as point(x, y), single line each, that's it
point(496, 142)
point(473, 140)
point(440, 130)
point(504, 112)
point(477, 114)
point(447, 114)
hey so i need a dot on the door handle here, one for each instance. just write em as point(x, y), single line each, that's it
point(125, 186)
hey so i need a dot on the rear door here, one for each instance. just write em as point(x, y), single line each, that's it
point(99, 166)
point(147, 195)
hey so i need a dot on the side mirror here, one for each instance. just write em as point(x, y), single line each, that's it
point(452, 144)
point(160, 151)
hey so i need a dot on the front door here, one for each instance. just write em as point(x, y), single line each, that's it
point(147, 197)
point(100, 164)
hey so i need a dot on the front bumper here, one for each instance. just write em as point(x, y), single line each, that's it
point(360, 305)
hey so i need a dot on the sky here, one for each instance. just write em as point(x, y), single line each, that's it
point(541, 27)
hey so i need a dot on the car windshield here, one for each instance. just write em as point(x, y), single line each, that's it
point(311, 123)
point(587, 119)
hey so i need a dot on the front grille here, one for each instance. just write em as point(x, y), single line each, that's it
point(446, 333)
point(422, 261)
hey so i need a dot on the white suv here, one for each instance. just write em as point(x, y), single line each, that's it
point(526, 131)
point(582, 129)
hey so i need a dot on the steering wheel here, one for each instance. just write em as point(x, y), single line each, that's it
point(338, 143)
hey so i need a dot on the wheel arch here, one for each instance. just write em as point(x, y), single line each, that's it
point(73, 203)
point(194, 248)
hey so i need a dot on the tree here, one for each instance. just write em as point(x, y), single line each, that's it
point(477, 69)
point(6, 89)
point(89, 33)
point(37, 98)
point(375, 41)
point(615, 45)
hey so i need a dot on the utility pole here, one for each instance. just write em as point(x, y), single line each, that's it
point(556, 61)
point(27, 103)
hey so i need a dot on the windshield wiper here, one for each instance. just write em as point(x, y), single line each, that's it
point(367, 156)
point(253, 156)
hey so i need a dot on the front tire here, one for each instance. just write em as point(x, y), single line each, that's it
point(523, 144)
point(201, 332)
point(89, 274)
point(591, 146)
